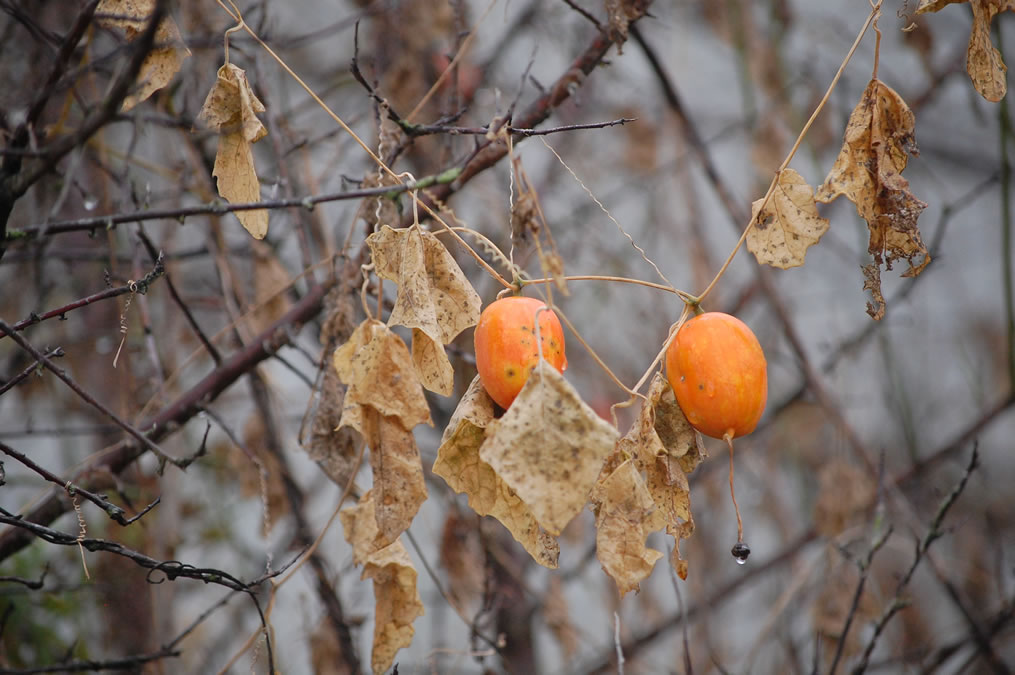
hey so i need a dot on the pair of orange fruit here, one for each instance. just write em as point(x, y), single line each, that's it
point(714, 363)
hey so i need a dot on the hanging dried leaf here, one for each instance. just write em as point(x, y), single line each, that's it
point(549, 447)
point(231, 109)
point(165, 58)
point(983, 61)
point(434, 296)
point(432, 364)
point(624, 518)
point(376, 365)
point(458, 463)
point(399, 488)
point(666, 448)
point(396, 599)
point(878, 141)
point(789, 224)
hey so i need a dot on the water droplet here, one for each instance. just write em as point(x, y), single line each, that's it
point(740, 552)
point(90, 203)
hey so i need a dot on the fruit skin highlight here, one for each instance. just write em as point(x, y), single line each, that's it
point(506, 349)
point(719, 375)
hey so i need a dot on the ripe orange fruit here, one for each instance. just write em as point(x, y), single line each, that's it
point(506, 349)
point(719, 375)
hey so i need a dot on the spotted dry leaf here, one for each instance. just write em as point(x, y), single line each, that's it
point(983, 61)
point(377, 367)
point(434, 297)
point(458, 463)
point(788, 225)
point(624, 518)
point(231, 109)
point(166, 56)
point(549, 447)
point(868, 171)
point(666, 448)
point(396, 598)
point(399, 488)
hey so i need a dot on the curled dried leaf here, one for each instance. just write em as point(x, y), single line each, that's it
point(377, 366)
point(624, 518)
point(231, 109)
point(459, 464)
point(788, 225)
point(549, 447)
point(868, 171)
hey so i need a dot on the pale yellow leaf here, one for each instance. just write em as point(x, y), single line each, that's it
point(231, 109)
point(789, 224)
point(377, 366)
point(458, 463)
point(167, 55)
point(396, 598)
point(934, 5)
point(868, 171)
point(434, 295)
point(432, 364)
point(549, 447)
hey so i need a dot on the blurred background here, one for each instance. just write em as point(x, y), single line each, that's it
point(870, 426)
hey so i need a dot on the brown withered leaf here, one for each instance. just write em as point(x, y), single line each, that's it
point(434, 296)
point(377, 367)
point(549, 447)
point(983, 61)
point(231, 109)
point(666, 448)
point(624, 518)
point(789, 224)
point(868, 171)
point(396, 598)
point(459, 464)
point(165, 58)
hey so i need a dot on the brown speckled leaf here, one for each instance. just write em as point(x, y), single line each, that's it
point(624, 518)
point(878, 141)
point(983, 61)
point(231, 109)
point(788, 226)
point(434, 296)
point(549, 447)
point(458, 463)
point(396, 598)
point(376, 365)
point(666, 448)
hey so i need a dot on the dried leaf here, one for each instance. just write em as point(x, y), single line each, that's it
point(167, 55)
point(270, 282)
point(878, 140)
point(458, 463)
point(231, 109)
point(376, 365)
point(789, 224)
point(549, 447)
point(983, 60)
point(434, 296)
point(432, 364)
point(399, 489)
point(624, 518)
point(396, 599)
point(666, 448)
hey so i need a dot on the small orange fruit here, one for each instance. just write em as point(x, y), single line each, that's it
point(506, 349)
point(718, 372)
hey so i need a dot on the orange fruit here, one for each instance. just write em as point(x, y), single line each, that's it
point(506, 349)
point(719, 375)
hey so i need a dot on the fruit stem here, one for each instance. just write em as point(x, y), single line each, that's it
point(728, 437)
